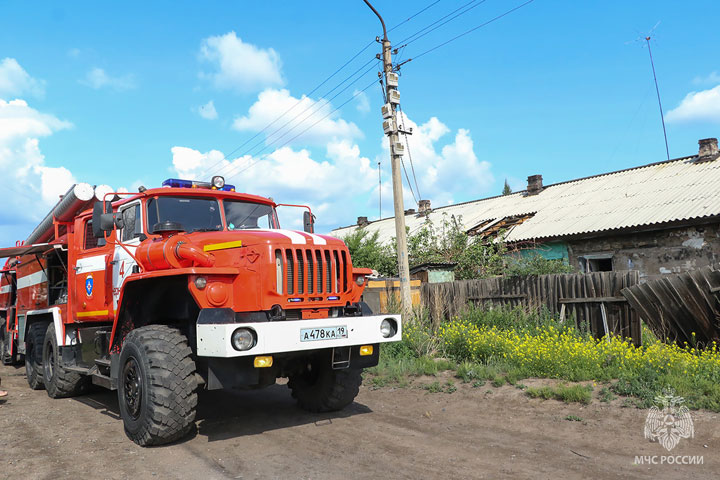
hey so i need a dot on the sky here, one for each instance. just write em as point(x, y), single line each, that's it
point(131, 93)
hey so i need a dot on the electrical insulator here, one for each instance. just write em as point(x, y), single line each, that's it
point(387, 110)
point(392, 79)
point(394, 97)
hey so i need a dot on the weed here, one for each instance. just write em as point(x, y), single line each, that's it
point(565, 393)
point(573, 418)
point(434, 387)
point(478, 383)
point(606, 395)
point(498, 381)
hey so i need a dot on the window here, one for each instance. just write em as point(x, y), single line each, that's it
point(600, 262)
point(91, 241)
point(192, 213)
point(243, 215)
point(132, 222)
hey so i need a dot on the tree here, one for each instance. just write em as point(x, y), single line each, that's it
point(474, 256)
point(506, 189)
point(366, 251)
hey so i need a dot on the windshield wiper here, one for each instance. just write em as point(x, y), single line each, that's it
point(206, 230)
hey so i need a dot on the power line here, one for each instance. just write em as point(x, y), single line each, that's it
point(402, 162)
point(327, 79)
point(315, 106)
point(420, 33)
point(309, 127)
point(407, 143)
point(289, 109)
point(508, 12)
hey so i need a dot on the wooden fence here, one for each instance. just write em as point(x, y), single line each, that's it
point(683, 307)
point(593, 300)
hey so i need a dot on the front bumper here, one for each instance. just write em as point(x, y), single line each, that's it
point(214, 339)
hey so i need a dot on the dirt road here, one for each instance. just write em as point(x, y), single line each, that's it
point(483, 432)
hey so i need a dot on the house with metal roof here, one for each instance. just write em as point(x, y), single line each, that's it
point(658, 218)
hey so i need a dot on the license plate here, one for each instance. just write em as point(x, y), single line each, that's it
point(323, 333)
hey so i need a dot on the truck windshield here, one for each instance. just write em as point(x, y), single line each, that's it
point(242, 215)
point(192, 213)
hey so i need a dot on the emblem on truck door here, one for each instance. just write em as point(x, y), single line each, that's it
point(89, 285)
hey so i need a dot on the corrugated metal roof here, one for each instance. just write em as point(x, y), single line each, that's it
point(675, 190)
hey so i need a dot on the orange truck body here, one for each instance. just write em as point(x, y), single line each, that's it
point(278, 285)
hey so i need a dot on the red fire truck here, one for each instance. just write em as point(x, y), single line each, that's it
point(191, 286)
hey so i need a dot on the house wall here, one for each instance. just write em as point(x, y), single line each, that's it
point(549, 251)
point(654, 253)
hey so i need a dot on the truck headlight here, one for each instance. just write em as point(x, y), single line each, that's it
point(388, 327)
point(243, 339)
point(360, 281)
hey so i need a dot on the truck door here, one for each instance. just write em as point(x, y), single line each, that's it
point(93, 292)
point(130, 236)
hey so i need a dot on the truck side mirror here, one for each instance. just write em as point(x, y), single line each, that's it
point(104, 222)
point(308, 222)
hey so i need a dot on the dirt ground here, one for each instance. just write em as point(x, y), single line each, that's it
point(482, 432)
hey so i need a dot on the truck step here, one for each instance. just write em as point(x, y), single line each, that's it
point(102, 362)
point(103, 381)
point(75, 369)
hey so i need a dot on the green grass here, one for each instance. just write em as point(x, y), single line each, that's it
point(433, 387)
point(606, 395)
point(562, 392)
point(497, 360)
point(573, 418)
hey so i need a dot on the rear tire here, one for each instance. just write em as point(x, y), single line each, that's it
point(33, 355)
point(156, 385)
point(59, 381)
point(319, 388)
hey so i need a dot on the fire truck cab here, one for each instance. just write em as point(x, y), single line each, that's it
point(167, 291)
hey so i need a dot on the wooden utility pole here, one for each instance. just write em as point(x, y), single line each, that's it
point(389, 110)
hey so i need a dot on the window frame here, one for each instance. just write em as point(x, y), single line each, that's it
point(121, 210)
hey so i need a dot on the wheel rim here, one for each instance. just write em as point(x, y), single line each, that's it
point(132, 387)
point(49, 363)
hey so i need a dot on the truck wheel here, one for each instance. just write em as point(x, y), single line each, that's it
point(59, 381)
point(33, 355)
point(319, 388)
point(156, 385)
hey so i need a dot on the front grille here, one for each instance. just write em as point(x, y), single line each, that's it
point(311, 271)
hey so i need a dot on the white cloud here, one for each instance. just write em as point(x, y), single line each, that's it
point(713, 78)
point(14, 80)
point(98, 78)
point(697, 106)
point(343, 183)
point(362, 102)
point(291, 176)
point(207, 111)
point(296, 117)
point(28, 186)
point(442, 172)
point(240, 66)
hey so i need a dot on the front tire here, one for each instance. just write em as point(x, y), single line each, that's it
point(34, 355)
point(156, 385)
point(319, 388)
point(59, 381)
